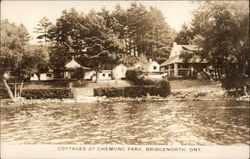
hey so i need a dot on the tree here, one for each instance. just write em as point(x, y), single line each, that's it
point(184, 35)
point(102, 43)
point(43, 28)
point(13, 40)
point(158, 40)
point(88, 38)
point(225, 29)
point(17, 58)
point(103, 37)
point(67, 37)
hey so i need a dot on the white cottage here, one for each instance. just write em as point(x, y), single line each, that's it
point(152, 66)
point(43, 77)
point(90, 75)
point(103, 75)
point(152, 70)
point(119, 71)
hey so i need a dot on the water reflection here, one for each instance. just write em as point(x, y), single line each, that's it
point(141, 122)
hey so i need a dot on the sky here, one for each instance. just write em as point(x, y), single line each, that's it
point(29, 13)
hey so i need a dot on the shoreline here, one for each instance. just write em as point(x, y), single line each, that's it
point(23, 101)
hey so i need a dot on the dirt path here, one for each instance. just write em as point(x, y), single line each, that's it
point(84, 92)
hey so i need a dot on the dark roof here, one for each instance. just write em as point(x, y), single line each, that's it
point(176, 52)
point(174, 59)
point(178, 59)
point(111, 66)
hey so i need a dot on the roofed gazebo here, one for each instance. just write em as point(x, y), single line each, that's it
point(74, 70)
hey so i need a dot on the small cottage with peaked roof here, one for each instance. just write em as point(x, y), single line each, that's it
point(74, 69)
point(175, 66)
point(73, 64)
point(152, 70)
point(152, 66)
point(119, 71)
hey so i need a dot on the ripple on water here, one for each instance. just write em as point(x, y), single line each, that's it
point(165, 123)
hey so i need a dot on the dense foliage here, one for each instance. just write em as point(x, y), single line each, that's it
point(42, 29)
point(132, 91)
point(18, 57)
point(57, 93)
point(221, 29)
point(110, 37)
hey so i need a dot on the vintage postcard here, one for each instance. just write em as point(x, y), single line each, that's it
point(124, 79)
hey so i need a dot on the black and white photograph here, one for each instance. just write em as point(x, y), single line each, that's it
point(156, 76)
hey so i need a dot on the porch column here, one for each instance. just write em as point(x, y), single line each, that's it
point(192, 71)
point(175, 70)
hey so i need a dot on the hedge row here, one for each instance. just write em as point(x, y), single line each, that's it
point(162, 89)
point(58, 93)
point(133, 91)
point(137, 78)
point(143, 87)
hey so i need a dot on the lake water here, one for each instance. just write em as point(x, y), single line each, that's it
point(133, 123)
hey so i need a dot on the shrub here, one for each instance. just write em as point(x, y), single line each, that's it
point(134, 91)
point(145, 86)
point(109, 92)
point(42, 93)
point(48, 93)
point(3, 94)
point(140, 91)
point(133, 75)
point(79, 83)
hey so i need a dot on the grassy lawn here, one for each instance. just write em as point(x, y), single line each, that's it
point(187, 84)
point(110, 83)
point(89, 84)
point(46, 85)
point(195, 89)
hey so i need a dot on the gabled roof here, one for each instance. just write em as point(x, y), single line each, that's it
point(190, 47)
point(178, 59)
point(73, 64)
point(111, 67)
point(177, 49)
point(176, 52)
point(174, 59)
point(106, 71)
point(121, 64)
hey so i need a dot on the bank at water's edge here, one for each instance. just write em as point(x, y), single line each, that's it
point(181, 90)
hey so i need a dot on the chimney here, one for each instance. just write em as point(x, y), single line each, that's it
point(150, 60)
point(175, 43)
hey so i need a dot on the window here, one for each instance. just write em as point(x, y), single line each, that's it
point(109, 75)
point(155, 67)
point(122, 70)
point(103, 74)
point(49, 75)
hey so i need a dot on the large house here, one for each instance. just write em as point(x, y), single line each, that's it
point(175, 66)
